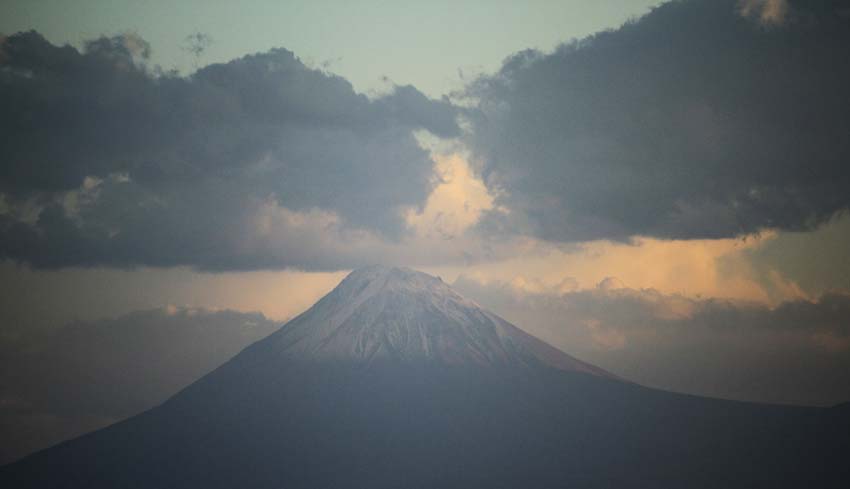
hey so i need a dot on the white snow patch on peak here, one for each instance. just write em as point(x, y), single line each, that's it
point(394, 278)
point(368, 281)
point(400, 314)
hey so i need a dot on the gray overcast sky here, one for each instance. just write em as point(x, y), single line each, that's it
point(420, 43)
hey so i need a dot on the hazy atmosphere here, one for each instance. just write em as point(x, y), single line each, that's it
point(659, 189)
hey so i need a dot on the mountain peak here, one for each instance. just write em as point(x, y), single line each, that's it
point(367, 282)
point(381, 313)
point(402, 278)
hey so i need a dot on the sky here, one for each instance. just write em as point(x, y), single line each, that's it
point(433, 45)
point(660, 190)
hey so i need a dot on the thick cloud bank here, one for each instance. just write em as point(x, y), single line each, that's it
point(107, 161)
point(703, 119)
point(797, 352)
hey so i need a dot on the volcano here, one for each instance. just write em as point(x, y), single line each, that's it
point(394, 380)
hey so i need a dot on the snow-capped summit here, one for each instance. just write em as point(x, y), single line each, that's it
point(389, 313)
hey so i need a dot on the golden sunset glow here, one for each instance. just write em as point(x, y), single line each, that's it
point(456, 202)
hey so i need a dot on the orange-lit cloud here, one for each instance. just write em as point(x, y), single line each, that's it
point(768, 12)
point(697, 268)
point(454, 205)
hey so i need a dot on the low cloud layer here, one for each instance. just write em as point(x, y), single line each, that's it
point(703, 119)
point(105, 160)
point(796, 352)
point(86, 375)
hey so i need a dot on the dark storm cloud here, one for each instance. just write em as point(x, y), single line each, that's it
point(105, 160)
point(703, 119)
point(85, 375)
point(796, 352)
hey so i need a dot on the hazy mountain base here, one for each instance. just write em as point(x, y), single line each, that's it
point(407, 425)
point(83, 376)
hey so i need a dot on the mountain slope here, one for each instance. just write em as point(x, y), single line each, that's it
point(393, 380)
point(379, 313)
